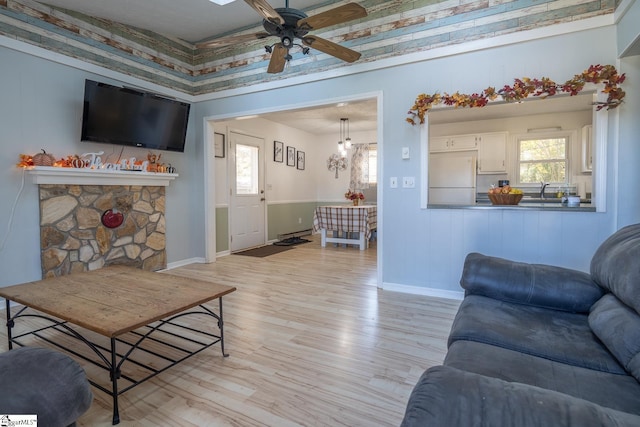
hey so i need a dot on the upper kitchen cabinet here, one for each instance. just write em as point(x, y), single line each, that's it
point(453, 143)
point(491, 147)
point(492, 153)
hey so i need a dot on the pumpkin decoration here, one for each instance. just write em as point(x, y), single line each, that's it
point(43, 159)
point(78, 162)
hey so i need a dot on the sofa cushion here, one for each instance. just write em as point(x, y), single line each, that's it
point(448, 397)
point(615, 265)
point(555, 335)
point(620, 392)
point(618, 327)
point(532, 284)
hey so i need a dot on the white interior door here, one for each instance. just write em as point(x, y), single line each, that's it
point(247, 201)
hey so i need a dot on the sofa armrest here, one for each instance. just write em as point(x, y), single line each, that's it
point(449, 397)
point(540, 285)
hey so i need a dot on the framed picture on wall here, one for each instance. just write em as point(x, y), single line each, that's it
point(300, 160)
point(278, 151)
point(218, 144)
point(291, 156)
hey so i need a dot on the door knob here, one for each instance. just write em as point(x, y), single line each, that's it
point(262, 199)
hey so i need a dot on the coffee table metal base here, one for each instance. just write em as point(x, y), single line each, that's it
point(178, 340)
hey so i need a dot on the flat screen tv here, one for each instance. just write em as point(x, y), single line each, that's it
point(124, 116)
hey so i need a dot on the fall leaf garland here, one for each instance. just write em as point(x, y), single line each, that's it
point(525, 87)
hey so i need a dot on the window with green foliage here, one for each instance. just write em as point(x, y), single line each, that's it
point(543, 159)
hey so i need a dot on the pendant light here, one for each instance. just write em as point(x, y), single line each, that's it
point(347, 141)
point(344, 143)
point(341, 148)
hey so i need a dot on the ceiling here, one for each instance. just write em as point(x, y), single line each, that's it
point(196, 20)
point(190, 20)
point(325, 120)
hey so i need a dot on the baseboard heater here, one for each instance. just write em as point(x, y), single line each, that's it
point(293, 238)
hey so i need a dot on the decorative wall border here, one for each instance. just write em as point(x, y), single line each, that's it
point(390, 29)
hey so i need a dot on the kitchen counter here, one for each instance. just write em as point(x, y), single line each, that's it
point(583, 207)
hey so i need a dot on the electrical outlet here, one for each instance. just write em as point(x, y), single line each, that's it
point(299, 220)
point(393, 182)
point(408, 182)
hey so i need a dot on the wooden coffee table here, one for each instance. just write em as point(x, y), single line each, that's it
point(129, 307)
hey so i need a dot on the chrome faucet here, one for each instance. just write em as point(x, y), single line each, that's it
point(543, 186)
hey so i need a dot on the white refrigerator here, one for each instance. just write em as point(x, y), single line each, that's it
point(452, 179)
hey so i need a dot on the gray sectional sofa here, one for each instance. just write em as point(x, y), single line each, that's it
point(538, 345)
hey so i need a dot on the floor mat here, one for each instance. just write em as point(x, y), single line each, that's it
point(291, 241)
point(264, 251)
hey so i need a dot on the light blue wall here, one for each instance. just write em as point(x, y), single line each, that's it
point(628, 181)
point(628, 28)
point(41, 107)
point(426, 248)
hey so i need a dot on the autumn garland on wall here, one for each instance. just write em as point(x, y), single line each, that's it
point(525, 87)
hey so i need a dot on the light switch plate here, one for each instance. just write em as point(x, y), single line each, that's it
point(408, 182)
point(393, 182)
point(405, 152)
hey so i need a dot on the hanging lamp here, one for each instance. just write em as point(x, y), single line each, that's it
point(344, 143)
point(347, 141)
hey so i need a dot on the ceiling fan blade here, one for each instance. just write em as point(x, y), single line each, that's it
point(338, 15)
point(226, 41)
point(331, 48)
point(278, 59)
point(266, 11)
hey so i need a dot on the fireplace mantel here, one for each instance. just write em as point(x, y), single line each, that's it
point(87, 176)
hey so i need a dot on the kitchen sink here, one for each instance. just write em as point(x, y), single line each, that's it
point(530, 199)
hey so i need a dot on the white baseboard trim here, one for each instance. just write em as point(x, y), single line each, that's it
point(420, 290)
point(184, 262)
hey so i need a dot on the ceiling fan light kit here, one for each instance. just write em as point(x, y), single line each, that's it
point(289, 24)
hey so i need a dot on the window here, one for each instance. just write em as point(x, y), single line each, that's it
point(246, 169)
point(364, 166)
point(373, 163)
point(543, 159)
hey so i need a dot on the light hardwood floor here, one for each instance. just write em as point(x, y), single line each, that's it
point(312, 342)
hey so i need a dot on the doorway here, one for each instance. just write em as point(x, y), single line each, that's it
point(217, 192)
point(246, 193)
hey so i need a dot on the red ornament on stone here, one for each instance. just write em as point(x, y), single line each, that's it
point(112, 218)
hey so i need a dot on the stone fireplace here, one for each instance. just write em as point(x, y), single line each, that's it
point(87, 223)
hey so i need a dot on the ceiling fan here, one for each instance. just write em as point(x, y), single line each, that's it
point(289, 24)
